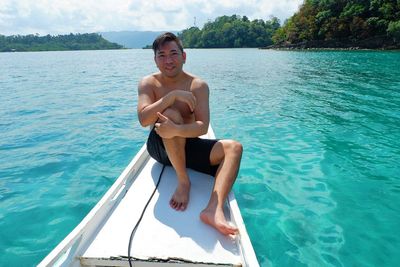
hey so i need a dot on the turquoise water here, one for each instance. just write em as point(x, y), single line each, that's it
point(319, 183)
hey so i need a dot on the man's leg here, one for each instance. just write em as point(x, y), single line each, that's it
point(175, 148)
point(227, 153)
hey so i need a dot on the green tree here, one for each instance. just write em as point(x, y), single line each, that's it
point(341, 20)
point(393, 30)
point(231, 31)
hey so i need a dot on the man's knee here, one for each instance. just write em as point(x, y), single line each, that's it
point(173, 115)
point(223, 148)
point(233, 147)
point(237, 148)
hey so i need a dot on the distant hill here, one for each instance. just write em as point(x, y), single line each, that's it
point(86, 41)
point(132, 39)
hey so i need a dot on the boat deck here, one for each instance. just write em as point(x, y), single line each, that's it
point(164, 236)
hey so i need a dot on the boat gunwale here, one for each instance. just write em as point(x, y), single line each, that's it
point(245, 247)
point(76, 240)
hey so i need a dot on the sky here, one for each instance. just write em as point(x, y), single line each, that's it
point(86, 16)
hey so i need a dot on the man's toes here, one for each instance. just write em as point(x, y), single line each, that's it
point(226, 229)
point(172, 203)
point(183, 206)
point(231, 230)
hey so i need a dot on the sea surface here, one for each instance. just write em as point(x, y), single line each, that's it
point(319, 183)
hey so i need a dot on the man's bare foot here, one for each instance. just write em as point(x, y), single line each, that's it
point(216, 219)
point(180, 198)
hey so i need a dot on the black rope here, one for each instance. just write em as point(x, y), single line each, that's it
point(141, 217)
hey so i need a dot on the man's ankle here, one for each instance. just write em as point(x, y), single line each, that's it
point(184, 182)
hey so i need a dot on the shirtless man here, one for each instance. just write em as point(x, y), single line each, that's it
point(177, 104)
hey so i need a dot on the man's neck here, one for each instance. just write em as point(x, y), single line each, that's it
point(175, 79)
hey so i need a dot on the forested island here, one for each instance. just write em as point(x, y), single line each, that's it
point(231, 31)
point(373, 24)
point(86, 41)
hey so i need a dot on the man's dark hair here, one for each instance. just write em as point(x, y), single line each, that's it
point(164, 38)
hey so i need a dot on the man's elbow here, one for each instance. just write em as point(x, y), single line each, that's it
point(142, 124)
point(204, 129)
point(142, 121)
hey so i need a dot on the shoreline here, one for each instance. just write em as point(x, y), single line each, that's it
point(328, 49)
point(66, 50)
point(376, 43)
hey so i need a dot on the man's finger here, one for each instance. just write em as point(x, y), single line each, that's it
point(194, 103)
point(162, 117)
point(191, 103)
point(194, 100)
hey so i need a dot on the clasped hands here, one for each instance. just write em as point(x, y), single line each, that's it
point(165, 127)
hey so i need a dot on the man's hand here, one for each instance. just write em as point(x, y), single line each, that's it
point(166, 127)
point(187, 97)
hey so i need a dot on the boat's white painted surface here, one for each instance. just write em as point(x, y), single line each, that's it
point(101, 239)
point(164, 233)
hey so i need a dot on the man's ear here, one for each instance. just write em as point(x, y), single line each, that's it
point(155, 61)
point(184, 57)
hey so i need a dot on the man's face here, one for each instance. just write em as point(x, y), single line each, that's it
point(170, 59)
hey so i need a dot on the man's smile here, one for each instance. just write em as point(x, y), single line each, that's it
point(170, 68)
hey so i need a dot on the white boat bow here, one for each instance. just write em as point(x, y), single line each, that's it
point(164, 237)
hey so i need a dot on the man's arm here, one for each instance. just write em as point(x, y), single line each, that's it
point(148, 108)
point(168, 129)
point(201, 113)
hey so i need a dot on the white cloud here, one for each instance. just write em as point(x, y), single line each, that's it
point(65, 16)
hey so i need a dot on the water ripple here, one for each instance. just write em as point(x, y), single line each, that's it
point(318, 184)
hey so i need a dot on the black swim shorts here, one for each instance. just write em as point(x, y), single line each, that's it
point(197, 152)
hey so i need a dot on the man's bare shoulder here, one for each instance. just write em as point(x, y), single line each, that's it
point(198, 83)
point(150, 81)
